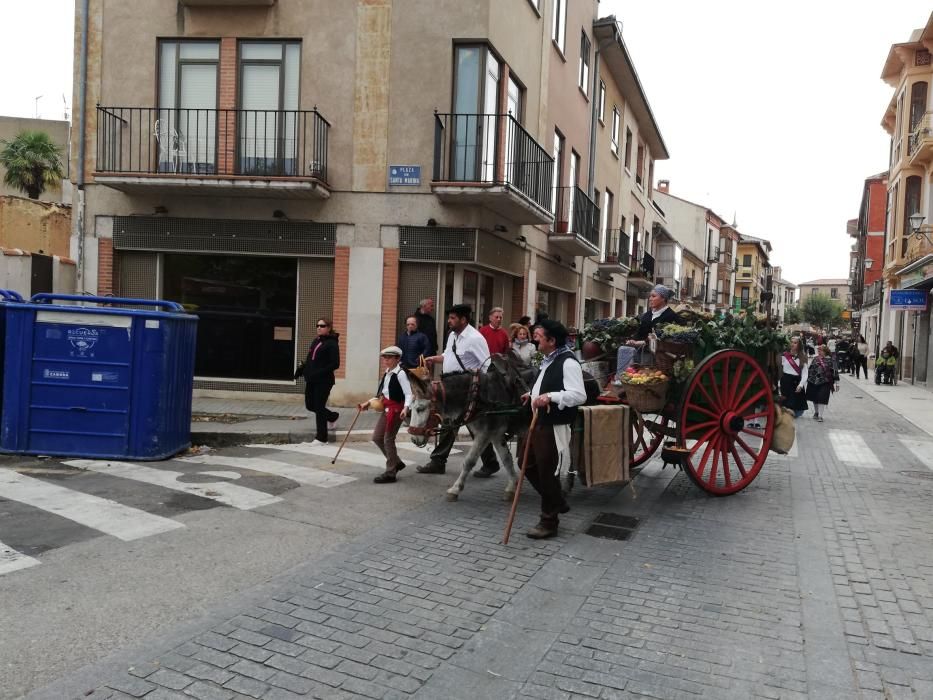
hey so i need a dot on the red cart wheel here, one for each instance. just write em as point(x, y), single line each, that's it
point(648, 431)
point(726, 422)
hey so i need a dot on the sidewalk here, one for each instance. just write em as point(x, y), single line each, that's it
point(914, 403)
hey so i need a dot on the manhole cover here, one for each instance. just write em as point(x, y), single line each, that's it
point(612, 526)
point(919, 475)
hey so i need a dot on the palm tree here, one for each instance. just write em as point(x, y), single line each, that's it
point(32, 162)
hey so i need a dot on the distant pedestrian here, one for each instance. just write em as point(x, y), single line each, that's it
point(822, 381)
point(393, 399)
point(414, 344)
point(497, 338)
point(524, 321)
point(522, 347)
point(860, 360)
point(794, 378)
point(318, 369)
point(424, 314)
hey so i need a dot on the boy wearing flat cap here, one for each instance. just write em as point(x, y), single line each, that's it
point(393, 399)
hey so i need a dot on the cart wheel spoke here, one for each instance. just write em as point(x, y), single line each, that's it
point(647, 435)
point(724, 456)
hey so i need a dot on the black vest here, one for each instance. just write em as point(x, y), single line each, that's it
point(395, 388)
point(554, 381)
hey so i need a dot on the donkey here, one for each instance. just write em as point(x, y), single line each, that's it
point(488, 403)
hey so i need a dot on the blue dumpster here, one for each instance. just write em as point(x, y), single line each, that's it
point(6, 296)
point(97, 381)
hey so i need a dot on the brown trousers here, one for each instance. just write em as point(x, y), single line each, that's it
point(384, 435)
point(542, 471)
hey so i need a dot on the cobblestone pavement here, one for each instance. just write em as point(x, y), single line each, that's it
point(816, 581)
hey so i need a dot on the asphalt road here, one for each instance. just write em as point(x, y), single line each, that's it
point(85, 592)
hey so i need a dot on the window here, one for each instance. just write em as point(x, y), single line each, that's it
point(911, 206)
point(602, 101)
point(640, 165)
point(628, 149)
point(269, 139)
point(650, 179)
point(584, 76)
point(574, 180)
point(606, 222)
point(918, 105)
point(476, 102)
point(558, 153)
point(186, 127)
point(746, 260)
point(616, 123)
point(815, 290)
point(559, 29)
point(833, 293)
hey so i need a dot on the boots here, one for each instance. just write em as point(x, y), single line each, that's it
point(546, 528)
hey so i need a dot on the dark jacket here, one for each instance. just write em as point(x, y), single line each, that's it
point(646, 325)
point(396, 393)
point(427, 326)
point(413, 346)
point(554, 381)
point(322, 362)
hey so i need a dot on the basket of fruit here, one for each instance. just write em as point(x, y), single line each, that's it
point(645, 388)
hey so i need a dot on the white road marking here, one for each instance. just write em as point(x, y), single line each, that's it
point(222, 492)
point(426, 451)
point(221, 474)
point(921, 449)
point(11, 560)
point(101, 514)
point(367, 459)
point(303, 475)
point(851, 448)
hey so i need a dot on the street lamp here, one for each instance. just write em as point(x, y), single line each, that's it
point(916, 221)
point(868, 263)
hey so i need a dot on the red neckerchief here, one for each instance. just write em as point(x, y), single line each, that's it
point(793, 363)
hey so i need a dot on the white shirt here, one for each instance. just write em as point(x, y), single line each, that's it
point(574, 393)
point(471, 348)
point(655, 314)
point(831, 345)
point(789, 369)
point(402, 380)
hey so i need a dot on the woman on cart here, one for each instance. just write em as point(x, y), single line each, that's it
point(658, 313)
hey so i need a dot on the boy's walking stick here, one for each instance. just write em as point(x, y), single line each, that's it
point(521, 478)
point(358, 412)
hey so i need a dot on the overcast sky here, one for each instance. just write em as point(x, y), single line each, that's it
point(769, 114)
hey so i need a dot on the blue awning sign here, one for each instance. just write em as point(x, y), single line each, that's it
point(909, 299)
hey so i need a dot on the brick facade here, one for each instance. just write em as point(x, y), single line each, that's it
point(390, 296)
point(341, 299)
point(104, 266)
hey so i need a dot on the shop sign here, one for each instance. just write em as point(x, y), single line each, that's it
point(404, 175)
point(909, 299)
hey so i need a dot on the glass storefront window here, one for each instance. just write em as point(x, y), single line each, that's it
point(246, 311)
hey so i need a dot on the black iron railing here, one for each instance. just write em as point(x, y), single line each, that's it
point(872, 293)
point(576, 214)
point(492, 149)
point(617, 245)
point(713, 254)
point(921, 131)
point(212, 142)
point(646, 265)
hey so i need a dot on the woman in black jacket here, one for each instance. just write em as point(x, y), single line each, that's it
point(318, 370)
point(658, 313)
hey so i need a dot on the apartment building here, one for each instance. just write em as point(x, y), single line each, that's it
point(784, 294)
point(753, 273)
point(708, 250)
point(866, 271)
point(908, 256)
point(835, 289)
point(267, 163)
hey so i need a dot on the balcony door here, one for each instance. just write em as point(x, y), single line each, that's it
point(270, 131)
point(476, 101)
point(186, 124)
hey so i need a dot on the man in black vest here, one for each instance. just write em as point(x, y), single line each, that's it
point(556, 393)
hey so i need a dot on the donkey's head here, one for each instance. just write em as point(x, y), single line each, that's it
point(422, 414)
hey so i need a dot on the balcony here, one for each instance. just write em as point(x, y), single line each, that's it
point(617, 255)
point(491, 161)
point(920, 141)
point(576, 222)
point(713, 255)
point(641, 275)
point(253, 153)
point(872, 294)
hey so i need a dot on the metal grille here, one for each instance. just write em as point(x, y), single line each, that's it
point(224, 236)
point(315, 300)
point(249, 386)
point(416, 281)
point(138, 275)
point(437, 244)
point(495, 253)
point(550, 274)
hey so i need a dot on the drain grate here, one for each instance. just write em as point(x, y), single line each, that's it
point(613, 526)
point(918, 475)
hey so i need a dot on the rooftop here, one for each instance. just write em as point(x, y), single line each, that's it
point(826, 282)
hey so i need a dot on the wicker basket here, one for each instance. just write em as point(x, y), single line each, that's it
point(668, 353)
point(646, 398)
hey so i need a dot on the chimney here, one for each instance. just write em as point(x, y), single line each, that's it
point(664, 186)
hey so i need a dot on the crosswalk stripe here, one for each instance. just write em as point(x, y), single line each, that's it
point(921, 449)
point(367, 459)
point(851, 448)
point(303, 475)
point(101, 514)
point(426, 451)
point(11, 560)
point(222, 492)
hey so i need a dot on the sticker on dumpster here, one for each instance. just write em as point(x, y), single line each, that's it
point(104, 376)
point(152, 323)
point(56, 374)
point(83, 340)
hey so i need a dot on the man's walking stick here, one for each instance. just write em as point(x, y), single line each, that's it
point(358, 412)
point(521, 478)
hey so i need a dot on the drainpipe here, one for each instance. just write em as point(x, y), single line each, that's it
point(82, 141)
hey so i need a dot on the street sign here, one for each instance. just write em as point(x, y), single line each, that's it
point(404, 175)
point(909, 299)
